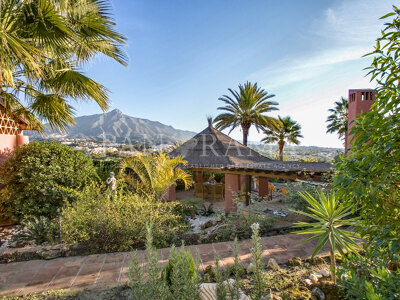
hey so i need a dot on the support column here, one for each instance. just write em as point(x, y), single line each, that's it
point(232, 184)
point(263, 189)
point(198, 177)
point(170, 193)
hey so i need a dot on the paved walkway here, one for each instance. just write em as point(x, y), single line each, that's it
point(106, 270)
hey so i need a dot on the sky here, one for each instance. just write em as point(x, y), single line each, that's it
point(185, 54)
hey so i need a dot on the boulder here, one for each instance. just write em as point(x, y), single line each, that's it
point(316, 292)
point(272, 264)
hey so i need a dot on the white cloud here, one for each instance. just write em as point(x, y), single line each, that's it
point(308, 84)
point(352, 21)
point(344, 32)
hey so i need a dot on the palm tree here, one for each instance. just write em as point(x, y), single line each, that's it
point(153, 174)
point(244, 108)
point(43, 46)
point(288, 131)
point(338, 120)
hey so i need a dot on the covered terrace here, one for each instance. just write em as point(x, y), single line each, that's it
point(214, 151)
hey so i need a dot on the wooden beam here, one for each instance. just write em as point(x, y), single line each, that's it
point(292, 175)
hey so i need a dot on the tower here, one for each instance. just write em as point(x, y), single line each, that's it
point(360, 100)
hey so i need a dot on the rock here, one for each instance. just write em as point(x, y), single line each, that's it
point(314, 278)
point(308, 281)
point(272, 264)
point(318, 293)
point(208, 291)
point(50, 252)
point(319, 275)
point(295, 261)
point(251, 268)
point(325, 273)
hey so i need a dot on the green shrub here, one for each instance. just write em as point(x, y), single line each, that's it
point(179, 280)
point(119, 224)
point(33, 175)
point(370, 277)
point(105, 166)
point(237, 224)
point(181, 275)
point(190, 206)
point(153, 286)
point(294, 199)
point(39, 229)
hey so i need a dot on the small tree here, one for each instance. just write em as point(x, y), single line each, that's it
point(287, 131)
point(153, 173)
point(329, 215)
point(338, 119)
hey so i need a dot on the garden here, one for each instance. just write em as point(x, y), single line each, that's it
point(61, 205)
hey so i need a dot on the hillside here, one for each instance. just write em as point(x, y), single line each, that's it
point(117, 127)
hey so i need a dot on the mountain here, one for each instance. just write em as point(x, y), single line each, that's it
point(116, 127)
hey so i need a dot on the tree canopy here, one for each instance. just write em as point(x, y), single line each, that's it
point(44, 44)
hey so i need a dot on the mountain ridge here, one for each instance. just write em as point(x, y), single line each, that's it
point(114, 126)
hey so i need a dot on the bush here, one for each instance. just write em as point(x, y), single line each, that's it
point(294, 198)
point(179, 280)
point(33, 174)
point(237, 224)
point(105, 166)
point(39, 229)
point(190, 206)
point(180, 274)
point(119, 224)
point(371, 277)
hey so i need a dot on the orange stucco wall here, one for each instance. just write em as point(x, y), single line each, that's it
point(9, 142)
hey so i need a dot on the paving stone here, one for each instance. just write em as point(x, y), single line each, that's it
point(112, 269)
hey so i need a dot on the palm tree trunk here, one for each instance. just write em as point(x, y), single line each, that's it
point(281, 144)
point(245, 129)
point(245, 134)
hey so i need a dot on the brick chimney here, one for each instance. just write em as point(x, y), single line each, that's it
point(360, 100)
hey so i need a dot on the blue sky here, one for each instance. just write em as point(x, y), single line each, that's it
point(184, 54)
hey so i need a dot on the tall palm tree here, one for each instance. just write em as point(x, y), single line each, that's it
point(153, 174)
point(338, 120)
point(43, 46)
point(288, 131)
point(244, 108)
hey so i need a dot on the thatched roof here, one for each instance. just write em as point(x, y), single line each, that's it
point(212, 148)
point(214, 151)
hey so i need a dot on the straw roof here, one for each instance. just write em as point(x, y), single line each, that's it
point(212, 148)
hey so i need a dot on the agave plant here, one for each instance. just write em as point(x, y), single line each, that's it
point(329, 215)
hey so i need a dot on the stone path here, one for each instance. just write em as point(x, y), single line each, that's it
point(111, 269)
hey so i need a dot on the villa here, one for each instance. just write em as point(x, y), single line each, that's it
point(212, 151)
